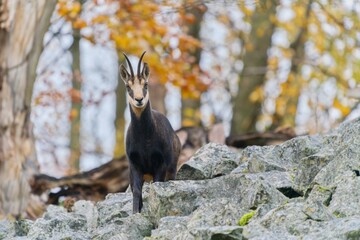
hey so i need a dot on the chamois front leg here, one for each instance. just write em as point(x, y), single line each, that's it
point(136, 183)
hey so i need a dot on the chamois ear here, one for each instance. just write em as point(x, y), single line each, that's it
point(145, 73)
point(124, 74)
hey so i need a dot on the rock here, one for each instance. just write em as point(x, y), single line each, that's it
point(242, 168)
point(344, 228)
point(320, 194)
point(301, 158)
point(346, 163)
point(278, 223)
point(305, 188)
point(216, 212)
point(14, 229)
point(210, 221)
point(307, 169)
point(218, 232)
point(132, 227)
point(181, 198)
point(283, 157)
point(345, 199)
point(170, 227)
point(6, 229)
point(280, 180)
point(115, 206)
point(89, 211)
point(291, 222)
point(258, 159)
point(57, 223)
point(210, 161)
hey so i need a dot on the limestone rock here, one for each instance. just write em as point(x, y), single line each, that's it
point(306, 188)
point(135, 226)
point(181, 198)
point(17, 230)
point(57, 223)
point(210, 161)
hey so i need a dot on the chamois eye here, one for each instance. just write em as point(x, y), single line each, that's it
point(128, 87)
point(145, 85)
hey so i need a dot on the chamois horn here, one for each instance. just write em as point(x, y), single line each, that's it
point(129, 63)
point(139, 64)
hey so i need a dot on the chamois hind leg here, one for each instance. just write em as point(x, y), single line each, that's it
point(160, 175)
point(136, 183)
point(159, 171)
point(171, 173)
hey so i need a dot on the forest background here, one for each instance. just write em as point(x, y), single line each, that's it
point(252, 66)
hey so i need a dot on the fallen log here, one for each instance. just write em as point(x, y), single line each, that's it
point(261, 139)
point(91, 185)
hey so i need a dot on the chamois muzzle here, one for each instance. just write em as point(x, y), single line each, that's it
point(139, 101)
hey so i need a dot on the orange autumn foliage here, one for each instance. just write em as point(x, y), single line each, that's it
point(141, 25)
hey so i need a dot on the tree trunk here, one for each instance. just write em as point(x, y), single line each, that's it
point(157, 96)
point(76, 103)
point(246, 111)
point(190, 107)
point(286, 111)
point(121, 104)
point(22, 27)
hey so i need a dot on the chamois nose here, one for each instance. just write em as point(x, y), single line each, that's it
point(139, 100)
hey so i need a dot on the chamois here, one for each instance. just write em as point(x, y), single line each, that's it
point(152, 147)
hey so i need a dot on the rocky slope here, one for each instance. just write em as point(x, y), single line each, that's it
point(305, 188)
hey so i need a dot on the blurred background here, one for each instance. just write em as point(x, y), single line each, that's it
point(240, 67)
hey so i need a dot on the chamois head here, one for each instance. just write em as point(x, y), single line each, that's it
point(137, 86)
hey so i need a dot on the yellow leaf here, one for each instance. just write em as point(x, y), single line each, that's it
point(249, 47)
point(76, 7)
point(79, 24)
point(247, 11)
point(280, 106)
point(273, 63)
point(37, 100)
point(257, 95)
point(99, 19)
point(292, 110)
point(345, 110)
point(73, 114)
point(224, 19)
point(260, 32)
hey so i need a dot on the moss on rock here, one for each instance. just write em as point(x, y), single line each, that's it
point(244, 220)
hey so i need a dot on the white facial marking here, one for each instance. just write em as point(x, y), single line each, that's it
point(138, 96)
